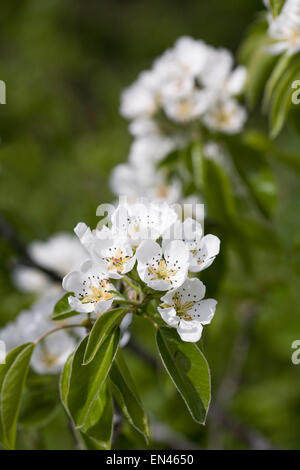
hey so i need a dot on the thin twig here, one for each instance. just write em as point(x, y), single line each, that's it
point(54, 330)
point(8, 233)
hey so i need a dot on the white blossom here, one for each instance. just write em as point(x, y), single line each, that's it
point(189, 107)
point(219, 76)
point(227, 116)
point(136, 181)
point(91, 287)
point(202, 249)
point(117, 255)
point(184, 309)
point(285, 29)
point(137, 101)
point(61, 253)
point(162, 268)
point(51, 353)
point(142, 220)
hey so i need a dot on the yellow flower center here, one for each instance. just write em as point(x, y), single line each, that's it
point(50, 360)
point(223, 117)
point(181, 309)
point(117, 262)
point(184, 108)
point(162, 272)
point(293, 37)
point(97, 294)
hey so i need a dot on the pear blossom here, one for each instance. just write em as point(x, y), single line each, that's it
point(137, 101)
point(162, 268)
point(184, 309)
point(61, 253)
point(191, 85)
point(189, 107)
point(142, 220)
point(202, 255)
point(91, 287)
point(152, 148)
point(219, 75)
point(191, 54)
point(227, 116)
point(50, 354)
point(285, 29)
point(202, 249)
point(135, 181)
point(117, 255)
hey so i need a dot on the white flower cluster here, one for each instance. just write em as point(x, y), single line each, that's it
point(285, 28)
point(61, 253)
point(50, 355)
point(190, 87)
point(146, 238)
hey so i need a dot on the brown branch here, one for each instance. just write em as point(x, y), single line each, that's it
point(9, 234)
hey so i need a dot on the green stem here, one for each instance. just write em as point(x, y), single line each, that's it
point(131, 284)
point(63, 327)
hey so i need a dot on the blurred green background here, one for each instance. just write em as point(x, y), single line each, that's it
point(65, 65)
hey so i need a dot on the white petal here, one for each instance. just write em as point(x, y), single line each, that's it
point(103, 306)
point(78, 306)
point(177, 250)
point(204, 311)
point(147, 250)
point(169, 316)
point(190, 331)
point(126, 322)
point(278, 47)
point(211, 243)
point(72, 282)
point(159, 284)
point(129, 265)
point(196, 268)
point(236, 81)
point(168, 297)
point(192, 290)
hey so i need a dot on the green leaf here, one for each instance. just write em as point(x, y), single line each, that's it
point(259, 70)
point(124, 391)
point(12, 380)
point(170, 159)
point(282, 99)
point(197, 163)
point(260, 234)
point(81, 384)
point(255, 171)
point(102, 327)
point(276, 7)
point(256, 34)
point(280, 68)
point(62, 309)
point(39, 406)
point(64, 381)
point(97, 431)
point(188, 369)
point(218, 193)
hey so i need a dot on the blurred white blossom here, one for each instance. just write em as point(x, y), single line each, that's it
point(51, 353)
point(60, 253)
point(285, 29)
point(190, 87)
